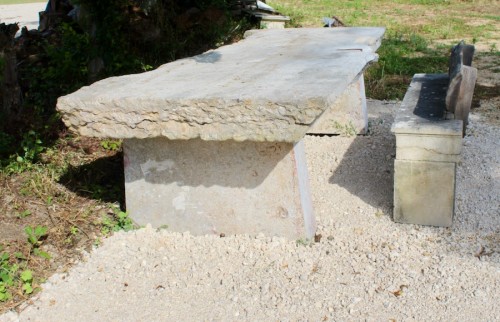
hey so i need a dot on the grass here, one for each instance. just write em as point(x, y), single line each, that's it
point(2, 2)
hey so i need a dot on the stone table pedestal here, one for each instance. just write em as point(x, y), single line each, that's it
point(219, 187)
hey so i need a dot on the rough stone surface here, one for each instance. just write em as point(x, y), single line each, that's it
point(270, 86)
point(219, 187)
point(347, 116)
point(424, 192)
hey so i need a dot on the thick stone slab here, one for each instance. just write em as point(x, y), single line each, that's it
point(424, 192)
point(219, 187)
point(349, 114)
point(270, 86)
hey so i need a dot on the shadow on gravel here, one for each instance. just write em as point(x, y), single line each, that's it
point(367, 168)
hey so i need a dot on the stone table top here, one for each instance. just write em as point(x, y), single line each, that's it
point(271, 86)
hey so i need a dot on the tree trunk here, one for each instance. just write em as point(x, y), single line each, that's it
point(9, 85)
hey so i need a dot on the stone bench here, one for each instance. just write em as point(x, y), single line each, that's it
point(213, 143)
point(429, 127)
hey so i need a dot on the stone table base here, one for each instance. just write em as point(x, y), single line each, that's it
point(348, 115)
point(213, 187)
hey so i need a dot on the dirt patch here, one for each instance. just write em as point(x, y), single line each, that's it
point(70, 194)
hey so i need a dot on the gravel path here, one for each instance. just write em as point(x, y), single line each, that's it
point(365, 267)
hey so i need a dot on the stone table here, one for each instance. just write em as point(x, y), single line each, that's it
point(212, 143)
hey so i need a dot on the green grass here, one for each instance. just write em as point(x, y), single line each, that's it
point(2, 2)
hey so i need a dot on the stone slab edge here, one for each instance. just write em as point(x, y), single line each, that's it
point(271, 98)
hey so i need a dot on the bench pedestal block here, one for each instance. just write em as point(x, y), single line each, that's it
point(213, 187)
point(424, 192)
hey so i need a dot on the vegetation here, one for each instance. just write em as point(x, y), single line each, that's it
point(418, 37)
point(61, 193)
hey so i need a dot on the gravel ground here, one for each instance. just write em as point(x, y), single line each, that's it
point(365, 266)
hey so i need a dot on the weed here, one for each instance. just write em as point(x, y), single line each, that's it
point(111, 145)
point(7, 276)
point(304, 242)
point(27, 280)
point(35, 238)
point(73, 232)
point(11, 276)
point(347, 129)
point(162, 227)
point(31, 147)
point(118, 220)
point(23, 214)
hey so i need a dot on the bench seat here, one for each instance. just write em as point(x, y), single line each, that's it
point(429, 127)
point(427, 149)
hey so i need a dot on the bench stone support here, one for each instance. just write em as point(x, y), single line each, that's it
point(427, 150)
point(227, 187)
point(347, 115)
point(424, 192)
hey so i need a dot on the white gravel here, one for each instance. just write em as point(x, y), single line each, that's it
point(366, 267)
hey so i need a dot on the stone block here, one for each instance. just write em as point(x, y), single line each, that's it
point(348, 115)
point(422, 147)
point(211, 187)
point(424, 192)
point(269, 21)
